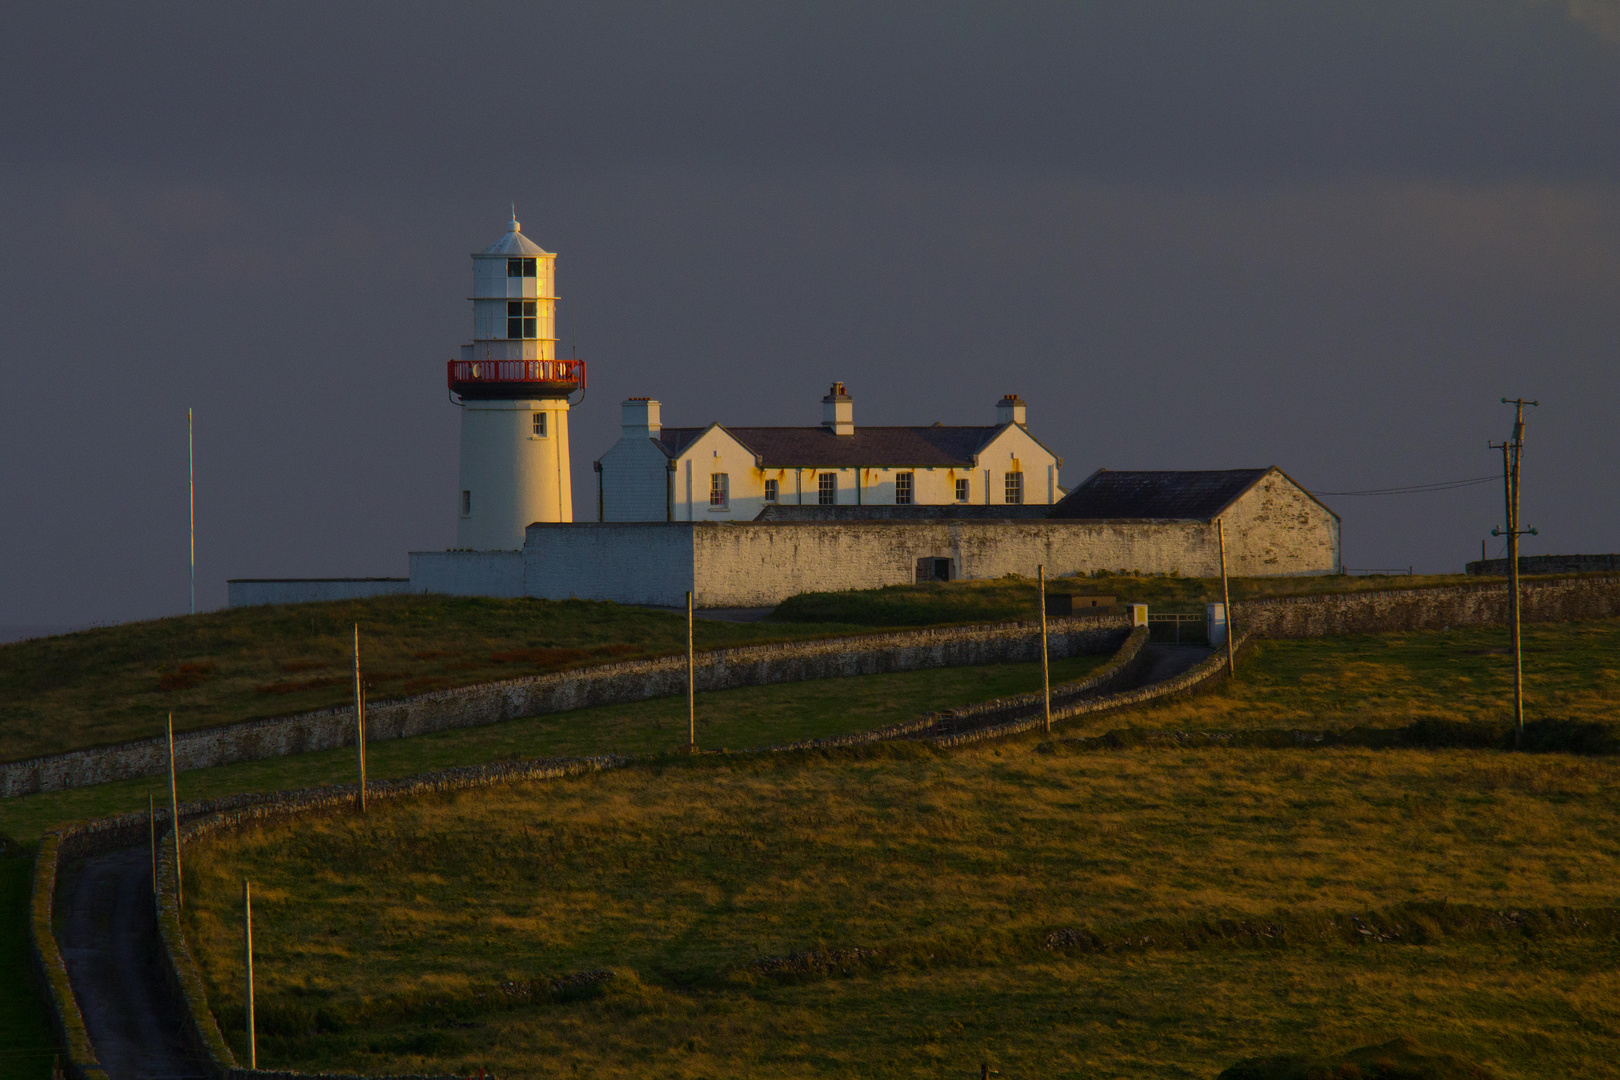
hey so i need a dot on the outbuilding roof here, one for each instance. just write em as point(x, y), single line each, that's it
point(1174, 495)
point(514, 243)
point(868, 448)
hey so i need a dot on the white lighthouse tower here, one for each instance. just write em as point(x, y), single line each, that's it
point(513, 393)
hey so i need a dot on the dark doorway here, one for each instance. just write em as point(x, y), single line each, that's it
point(931, 569)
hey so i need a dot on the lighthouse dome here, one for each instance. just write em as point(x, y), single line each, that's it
point(514, 243)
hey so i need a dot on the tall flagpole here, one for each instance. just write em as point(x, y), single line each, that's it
point(191, 503)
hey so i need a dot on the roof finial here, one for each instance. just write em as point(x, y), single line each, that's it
point(515, 227)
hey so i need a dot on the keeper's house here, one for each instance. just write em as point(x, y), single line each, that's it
point(719, 473)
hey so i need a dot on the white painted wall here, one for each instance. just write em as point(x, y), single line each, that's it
point(1277, 529)
point(467, 573)
point(246, 592)
point(514, 476)
point(630, 563)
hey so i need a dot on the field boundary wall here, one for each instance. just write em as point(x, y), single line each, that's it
point(1547, 564)
point(605, 684)
point(1440, 607)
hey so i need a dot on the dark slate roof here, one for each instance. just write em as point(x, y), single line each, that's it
point(868, 447)
point(1197, 496)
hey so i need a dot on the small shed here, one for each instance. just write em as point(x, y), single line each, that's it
point(1273, 525)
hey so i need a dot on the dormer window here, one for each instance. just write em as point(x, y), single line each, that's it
point(520, 268)
point(521, 318)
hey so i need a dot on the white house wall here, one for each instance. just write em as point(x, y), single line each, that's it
point(1015, 450)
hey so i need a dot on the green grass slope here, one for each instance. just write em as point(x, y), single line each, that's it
point(117, 683)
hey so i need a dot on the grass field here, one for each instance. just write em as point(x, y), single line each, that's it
point(1571, 670)
point(117, 683)
point(735, 719)
point(440, 933)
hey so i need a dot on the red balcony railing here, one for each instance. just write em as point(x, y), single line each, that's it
point(463, 372)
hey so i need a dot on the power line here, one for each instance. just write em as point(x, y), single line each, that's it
point(1445, 485)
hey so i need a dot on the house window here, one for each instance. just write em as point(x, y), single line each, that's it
point(770, 491)
point(466, 504)
point(521, 317)
point(827, 489)
point(520, 268)
point(961, 491)
point(540, 425)
point(902, 489)
point(719, 490)
point(1015, 488)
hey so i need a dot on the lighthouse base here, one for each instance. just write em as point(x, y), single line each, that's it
point(514, 471)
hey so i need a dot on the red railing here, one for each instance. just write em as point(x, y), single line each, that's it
point(515, 371)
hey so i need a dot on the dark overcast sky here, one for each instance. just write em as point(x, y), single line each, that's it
point(1328, 237)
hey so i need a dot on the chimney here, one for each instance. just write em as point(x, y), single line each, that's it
point(838, 411)
point(639, 419)
point(1010, 410)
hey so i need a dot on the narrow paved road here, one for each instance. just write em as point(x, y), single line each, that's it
point(1168, 661)
point(109, 940)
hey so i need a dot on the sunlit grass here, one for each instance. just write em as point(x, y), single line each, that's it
point(1571, 672)
point(384, 941)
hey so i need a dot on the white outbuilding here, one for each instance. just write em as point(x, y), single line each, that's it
point(723, 473)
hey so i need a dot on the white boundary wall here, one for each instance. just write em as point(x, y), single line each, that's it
point(748, 564)
point(468, 573)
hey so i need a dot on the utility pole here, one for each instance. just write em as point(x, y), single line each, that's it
point(151, 826)
point(359, 720)
point(1046, 674)
point(247, 963)
point(1226, 598)
point(1512, 454)
point(191, 507)
point(174, 815)
point(691, 691)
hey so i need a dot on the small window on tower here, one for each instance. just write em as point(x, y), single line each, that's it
point(961, 491)
point(540, 425)
point(514, 267)
point(827, 489)
point(528, 268)
point(521, 318)
point(770, 491)
point(466, 504)
point(902, 489)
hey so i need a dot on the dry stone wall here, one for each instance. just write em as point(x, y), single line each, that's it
point(1439, 608)
point(608, 684)
point(1547, 564)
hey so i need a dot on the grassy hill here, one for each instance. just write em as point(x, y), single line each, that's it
point(901, 912)
point(117, 683)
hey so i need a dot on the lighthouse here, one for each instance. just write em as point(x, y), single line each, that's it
point(513, 393)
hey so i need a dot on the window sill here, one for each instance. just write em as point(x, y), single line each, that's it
point(719, 509)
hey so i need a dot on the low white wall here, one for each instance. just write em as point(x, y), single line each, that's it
point(754, 565)
point(628, 562)
point(246, 592)
point(467, 573)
